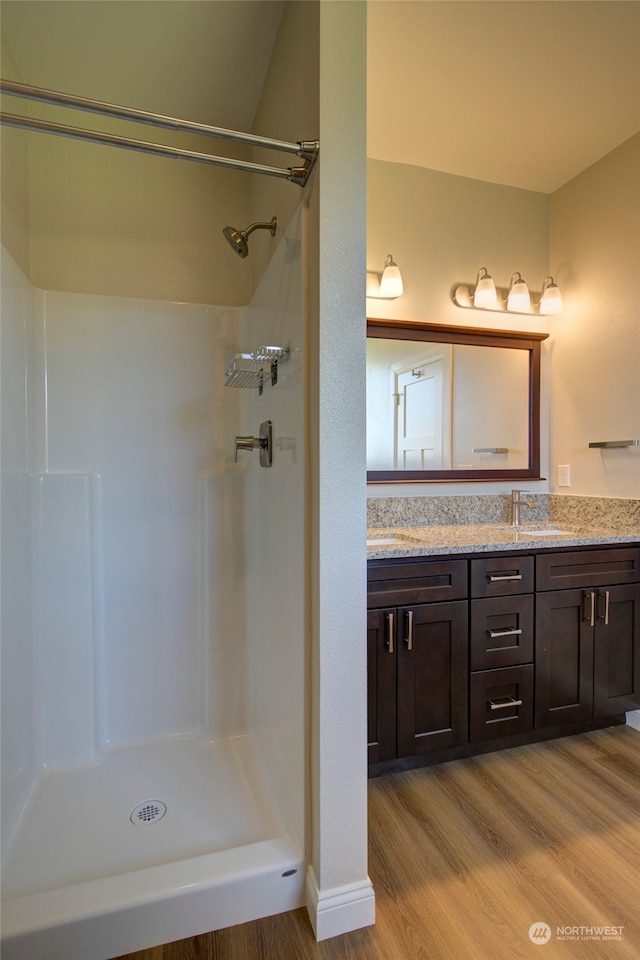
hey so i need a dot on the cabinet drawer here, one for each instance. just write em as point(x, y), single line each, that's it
point(587, 568)
point(501, 576)
point(402, 584)
point(501, 632)
point(501, 702)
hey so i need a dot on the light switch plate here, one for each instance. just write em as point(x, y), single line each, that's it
point(564, 475)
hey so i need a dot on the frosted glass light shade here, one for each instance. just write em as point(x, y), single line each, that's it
point(519, 298)
point(485, 293)
point(550, 298)
point(391, 285)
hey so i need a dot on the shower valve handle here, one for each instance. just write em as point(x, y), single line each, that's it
point(249, 443)
point(263, 443)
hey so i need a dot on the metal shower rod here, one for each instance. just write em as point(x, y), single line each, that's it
point(307, 150)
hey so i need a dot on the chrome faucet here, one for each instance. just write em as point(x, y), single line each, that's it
point(516, 503)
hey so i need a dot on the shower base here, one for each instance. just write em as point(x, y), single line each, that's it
point(97, 868)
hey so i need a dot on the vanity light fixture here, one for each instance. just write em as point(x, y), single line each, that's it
point(387, 286)
point(517, 299)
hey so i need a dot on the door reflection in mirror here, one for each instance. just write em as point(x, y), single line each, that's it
point(408, 405)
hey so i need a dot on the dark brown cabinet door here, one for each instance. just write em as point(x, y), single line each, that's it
point(381, 684)
point(432, 677)
point(617, 650)
point(564, 657)
point(587, 653)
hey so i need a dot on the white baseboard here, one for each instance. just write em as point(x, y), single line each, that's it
point(633, 719)
point(340, 909)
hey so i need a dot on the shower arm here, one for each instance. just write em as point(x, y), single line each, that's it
point(260, 226)
point(307, 150)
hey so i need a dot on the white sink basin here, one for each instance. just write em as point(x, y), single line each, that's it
point(533, 533)
point(390, 540)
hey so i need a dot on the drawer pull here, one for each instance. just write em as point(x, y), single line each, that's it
point(409, 637)
point(390, 633)
point(495, 578)
point(504, 702)
point(512, 632)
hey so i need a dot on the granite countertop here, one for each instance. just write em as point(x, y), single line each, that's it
point(417, 541)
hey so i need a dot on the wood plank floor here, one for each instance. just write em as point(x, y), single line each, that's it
point(466, 856)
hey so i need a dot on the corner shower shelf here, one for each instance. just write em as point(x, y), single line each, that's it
point(255, 369)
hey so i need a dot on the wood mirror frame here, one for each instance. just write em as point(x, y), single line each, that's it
point(474, 336)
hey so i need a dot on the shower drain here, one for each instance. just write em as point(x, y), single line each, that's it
point(149, 811)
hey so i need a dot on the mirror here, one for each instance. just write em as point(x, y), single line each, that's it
point(451, 403)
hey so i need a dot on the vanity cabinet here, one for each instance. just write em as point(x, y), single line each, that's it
point(418, 657)
point(588, 635)
point(480, 652)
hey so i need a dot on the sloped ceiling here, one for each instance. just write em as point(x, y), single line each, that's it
point(203, 60)
point(522, 92)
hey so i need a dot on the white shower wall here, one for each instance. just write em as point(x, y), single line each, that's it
point(126, 478)
point(153, 589)
point(134, 397)
point(18, 740)
point(276, 562)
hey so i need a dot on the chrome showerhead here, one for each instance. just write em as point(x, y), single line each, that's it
point(237, 239)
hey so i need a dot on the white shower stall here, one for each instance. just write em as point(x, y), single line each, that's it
point(183, 636)
point(153, 681)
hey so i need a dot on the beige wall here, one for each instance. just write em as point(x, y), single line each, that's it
point(441, 228)
point(110, 221)
point(114, 222)
point(595, 369)
point(340, 894)
point(14, 188)
point(288, 110)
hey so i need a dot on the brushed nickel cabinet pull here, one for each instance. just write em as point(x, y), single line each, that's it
point(504, 702)
point(494, 578)
point(604, 595)
point(512, 632)
point(390, 633)
point(591, 615)
point(409, 637)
